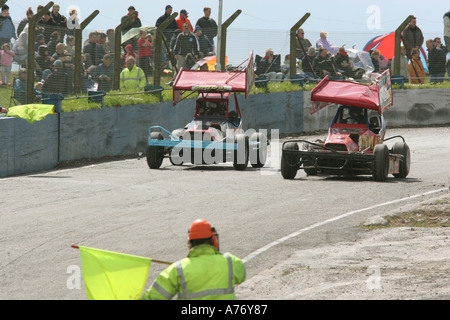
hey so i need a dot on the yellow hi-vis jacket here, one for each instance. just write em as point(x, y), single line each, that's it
point(132, 80)
point(205, 274)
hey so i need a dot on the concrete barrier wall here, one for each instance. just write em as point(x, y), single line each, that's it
point(412, 107)
point(115, 131)
point(25, 147)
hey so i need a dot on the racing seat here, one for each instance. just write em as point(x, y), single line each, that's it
point(374, 125)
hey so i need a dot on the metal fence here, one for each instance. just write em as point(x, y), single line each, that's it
point(55, 71)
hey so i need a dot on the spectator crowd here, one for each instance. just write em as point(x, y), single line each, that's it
point(187, 46)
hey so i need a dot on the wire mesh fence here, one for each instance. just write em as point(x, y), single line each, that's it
point(55, 50)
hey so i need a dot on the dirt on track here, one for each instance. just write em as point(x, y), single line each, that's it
point(404, 255)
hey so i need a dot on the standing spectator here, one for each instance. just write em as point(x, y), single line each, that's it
point(323, 65)
point(205, 45)
point(7, 56)
point(301, 43)
point(416, 69)
point(375, 57)
point(60, 21)
point(132, 78)
point(48, 24)
point(135, 23)
point(21, 47)
point(308, 63)
point(323, 42)
point(94, 50)
point(436, 61)
point(412, 37)
point(23, 23)
point(403, 64)
point(7, 28)
point(168, 32)
point(182, 19)
point(145, 53)
point(110, 40)
point(129, 52)
point(58, 81)
point(72, 22)
point(270, 67)
point(447, 30)
point(104, 74)
point(186, 42)
point(102, 41)
point(344, 64)
point(208, 25)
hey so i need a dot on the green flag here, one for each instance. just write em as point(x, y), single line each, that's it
point(31, 112)
point(113, 276)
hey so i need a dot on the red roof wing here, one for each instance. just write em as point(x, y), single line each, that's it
point(350, 93)
point(212, 81)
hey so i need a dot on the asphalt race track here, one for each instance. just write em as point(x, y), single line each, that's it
point(124, 206)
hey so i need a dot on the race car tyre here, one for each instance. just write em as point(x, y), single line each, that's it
point(381, 164)
point(241, 155)
point(155, 154)
point(309, 171)
point(289, 162)
point(258, 157)
point(403, 149)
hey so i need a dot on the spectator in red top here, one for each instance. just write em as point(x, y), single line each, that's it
point(129, 51)
point(182, 19)
point(145, 53)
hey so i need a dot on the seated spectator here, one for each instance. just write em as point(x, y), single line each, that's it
point(104, 74)
point(301, 43)
point(324, 65)
point(375, 56)
point(270, 67)
point(286, 67)
point(345, 66)
point(132, 78)
point(6, 59)
point(55, 38)
point(20, 87)
point(70, 45)
point(416, 69)
point(308, 63)
point(58, 81)
point(45, 63)
point(95, 51)
point(40, 41)
point(62, 54)
point(323, 42)
point(38, 90)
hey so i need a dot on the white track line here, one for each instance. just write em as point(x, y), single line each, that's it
point(319, 224)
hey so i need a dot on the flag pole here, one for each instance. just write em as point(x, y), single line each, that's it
point(153, 260)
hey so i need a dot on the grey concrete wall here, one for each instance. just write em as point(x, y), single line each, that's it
point(424, 107)
point(115, 131)
point(25, 147)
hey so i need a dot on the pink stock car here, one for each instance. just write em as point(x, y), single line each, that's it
point(355, 142)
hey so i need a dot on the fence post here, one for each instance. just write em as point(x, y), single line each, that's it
point(78, 52)
point(223, 37)
point(157, 61)
point(293, 51)
point(30, 55)
point(117, 50)
point(398, 41)
point(2, 2)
